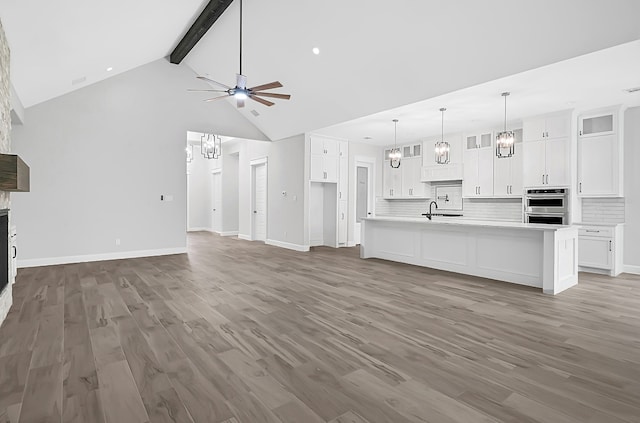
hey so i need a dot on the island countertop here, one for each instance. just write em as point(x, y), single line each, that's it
point(443, 220)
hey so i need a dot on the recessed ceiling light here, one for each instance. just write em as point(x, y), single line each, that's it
point(367, 138)
point(109, 69)
point(316, 50)
point(79, 80)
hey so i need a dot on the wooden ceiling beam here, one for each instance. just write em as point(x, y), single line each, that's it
point(207, 18)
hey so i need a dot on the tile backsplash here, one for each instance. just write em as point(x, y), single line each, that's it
point(603, 210)
point(503, 209)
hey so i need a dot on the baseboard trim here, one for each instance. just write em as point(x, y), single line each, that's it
point(628, 268)
point(229, 233)
point(199, 230)
point(99, 257)
point(245, 237)
point(287, 245)
point(351, 244)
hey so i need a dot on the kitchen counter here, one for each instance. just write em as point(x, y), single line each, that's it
point(542, 256)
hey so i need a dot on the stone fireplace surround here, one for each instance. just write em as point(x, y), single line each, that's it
point(5, 147)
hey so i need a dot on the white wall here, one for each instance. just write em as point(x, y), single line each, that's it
point(100, 158)
point(632, 189)
point(286, 213)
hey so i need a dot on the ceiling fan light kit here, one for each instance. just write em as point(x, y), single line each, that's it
point(442, 147)
point(505, 140)
point(240, 92)
point(394, 154)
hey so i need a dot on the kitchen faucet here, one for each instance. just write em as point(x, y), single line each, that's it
point(428, 215)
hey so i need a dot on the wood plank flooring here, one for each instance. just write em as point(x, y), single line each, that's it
point(241, 332)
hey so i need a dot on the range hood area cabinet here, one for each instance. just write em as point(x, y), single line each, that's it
point(14, 173)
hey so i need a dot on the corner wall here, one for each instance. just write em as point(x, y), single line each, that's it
point(5, 147)
point(632, 190)
point(100, 158)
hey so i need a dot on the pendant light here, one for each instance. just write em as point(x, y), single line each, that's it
point(442, 147)
point(394, 154)
point(210, 146)
point(505, 140)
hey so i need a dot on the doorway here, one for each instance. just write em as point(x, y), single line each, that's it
point(216, 201)
point(259, 199)
point(364, 189)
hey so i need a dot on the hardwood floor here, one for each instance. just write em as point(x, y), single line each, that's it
point(242, 332)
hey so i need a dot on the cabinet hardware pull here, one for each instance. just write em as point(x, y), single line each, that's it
point(593, 231)
point(610, 245)
point(580, 187)
point(15, 251)
point(547, 179)
point(580, 132)
point(542, 179)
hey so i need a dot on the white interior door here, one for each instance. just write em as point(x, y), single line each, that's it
point(364, 196)
point(259, 211)
point(216, 203)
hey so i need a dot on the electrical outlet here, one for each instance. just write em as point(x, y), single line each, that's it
point(117, 241)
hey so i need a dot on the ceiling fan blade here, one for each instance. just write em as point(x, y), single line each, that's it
point(215, 91)
point(241, 81)
point(261, 100)
point(274, 95)
point(216, 98)
point(240, 103)
point(275, 84)
point(211, 81)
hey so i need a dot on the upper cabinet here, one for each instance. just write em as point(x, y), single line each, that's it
point(507, 171)
point(324, 159)
point(600, 153)
point(545, 148)
point(404, 182)
point(478, 165)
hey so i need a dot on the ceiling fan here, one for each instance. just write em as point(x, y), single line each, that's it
point(240, 91)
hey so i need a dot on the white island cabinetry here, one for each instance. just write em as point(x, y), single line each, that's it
point(542, 256)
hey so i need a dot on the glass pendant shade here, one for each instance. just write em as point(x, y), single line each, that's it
point(443, 148)
point(505, 146)
point(394, 154)
point(505, 140)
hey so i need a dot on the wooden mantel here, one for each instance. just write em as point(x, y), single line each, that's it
point(14, 173)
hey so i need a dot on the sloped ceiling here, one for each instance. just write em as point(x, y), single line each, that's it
point(376, 55)
point(55, 42)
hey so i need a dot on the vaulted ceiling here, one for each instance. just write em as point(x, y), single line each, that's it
point(374, 55)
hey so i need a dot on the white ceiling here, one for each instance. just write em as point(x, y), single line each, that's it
point(582, 83)
point(55, 42)
point(375, 55)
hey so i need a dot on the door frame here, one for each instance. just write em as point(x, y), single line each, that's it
point(214, 173)
point(370, 163)
point(253, 164)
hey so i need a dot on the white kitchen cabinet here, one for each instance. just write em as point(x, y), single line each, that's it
point(547, 127)
point(411, 150)
point(439, 173)
point(507, 171)
point(600, 155)
point(546, 150)
point(404, 182)
point(324, 159)
point(342, 223)
point(391, 181)
point(600, 248)
point(343, 170)
point(478, 165)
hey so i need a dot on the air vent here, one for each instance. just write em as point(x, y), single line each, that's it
point(632, 90)
point(255, 113)
point(79, 80)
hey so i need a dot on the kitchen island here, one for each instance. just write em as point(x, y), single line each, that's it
point(542, 256)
